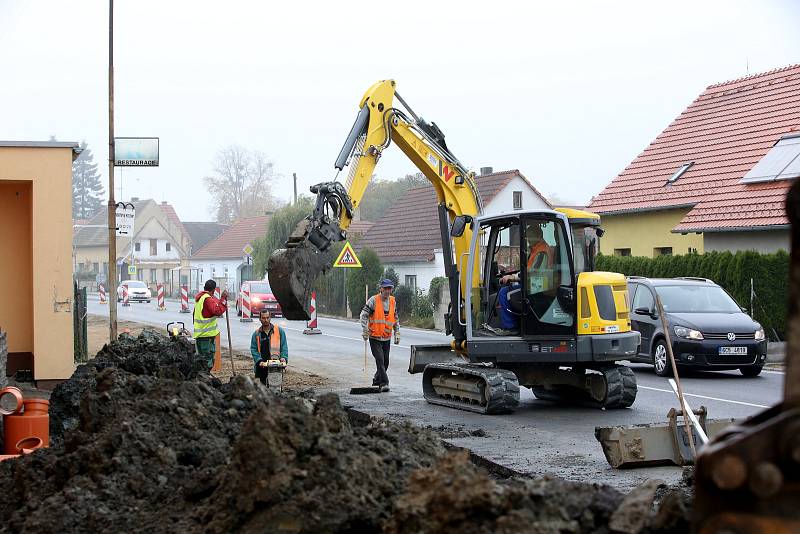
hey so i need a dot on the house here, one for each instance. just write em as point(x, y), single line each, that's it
point(36, 319)
point(202, 232)
point(222, 258)
point(716, 178)
point(408, 238)
point(160, 245)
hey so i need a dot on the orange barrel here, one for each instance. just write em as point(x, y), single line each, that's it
point(33, 422)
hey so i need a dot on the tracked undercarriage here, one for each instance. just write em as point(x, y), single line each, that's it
point(475, 388)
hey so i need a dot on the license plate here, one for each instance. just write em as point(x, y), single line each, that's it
point(741, 351)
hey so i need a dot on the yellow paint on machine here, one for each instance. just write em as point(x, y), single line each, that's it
point(590, 320)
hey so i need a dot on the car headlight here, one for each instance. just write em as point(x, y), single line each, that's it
point(687, 333)
point(760, 334)
point(256, 300)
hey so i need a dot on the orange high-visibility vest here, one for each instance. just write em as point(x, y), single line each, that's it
point(540, 248)
point(381, 323)
point(274, 342)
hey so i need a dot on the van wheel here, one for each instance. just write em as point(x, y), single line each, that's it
point(750, 372)
point(661, 364)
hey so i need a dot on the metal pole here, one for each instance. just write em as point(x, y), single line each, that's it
point(294, 176)
point(112, 205)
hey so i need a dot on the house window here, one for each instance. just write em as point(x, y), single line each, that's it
point(169, 247)
point(411, 281)
point(212, 269)
point(153, 277)
point(137, 247)
point(154, 247)
point(166, 276)
point(622, 252)
point(95, 267)
point(517, 200)
point(105, 267)
point(662, 251)
point(225, 272)
point(782, 162)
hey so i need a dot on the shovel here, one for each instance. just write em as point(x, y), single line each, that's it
point(365, 390)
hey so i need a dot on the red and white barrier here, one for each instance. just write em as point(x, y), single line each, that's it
point(103, 299)
point(311, 324)
point(185, 299)
point(247, 315)
point(218, 292)
point(160, 292)
point(125, 297)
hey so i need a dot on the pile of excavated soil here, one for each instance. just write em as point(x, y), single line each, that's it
point(148, 440)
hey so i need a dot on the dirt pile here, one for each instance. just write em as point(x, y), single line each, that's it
point(150, 441)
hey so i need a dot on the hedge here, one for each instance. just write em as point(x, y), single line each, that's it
point(770, 274)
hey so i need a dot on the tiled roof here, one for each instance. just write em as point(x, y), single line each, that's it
point(359, 228)
point(202, 232)
point(725, 132)
point(173, 216)
point(409, 231)
point(229, 244)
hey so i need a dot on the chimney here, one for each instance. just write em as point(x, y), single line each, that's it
point(486, 170)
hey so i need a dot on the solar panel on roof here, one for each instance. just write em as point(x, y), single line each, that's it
point(782, 162)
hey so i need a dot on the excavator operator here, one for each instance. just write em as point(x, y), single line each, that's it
point(540, 255)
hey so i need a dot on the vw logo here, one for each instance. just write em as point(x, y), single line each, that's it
point(731, 336)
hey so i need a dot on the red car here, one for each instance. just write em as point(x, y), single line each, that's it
point(261, 297)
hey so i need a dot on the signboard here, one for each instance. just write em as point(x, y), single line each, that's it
point(132, 270)
point(248, 250)
point(126, 214)
point(136, 151)
point(347, 257)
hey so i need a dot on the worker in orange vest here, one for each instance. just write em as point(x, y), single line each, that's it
point(268, 343)
point(378, 323)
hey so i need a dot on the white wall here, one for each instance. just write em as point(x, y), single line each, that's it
point(161, 250)
point(764, 242)
point(233, 266)
point(425, 271)
point(503, 202)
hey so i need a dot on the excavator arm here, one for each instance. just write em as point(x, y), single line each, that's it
point(293, 270)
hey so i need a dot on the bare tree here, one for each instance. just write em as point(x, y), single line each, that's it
point(241, 185)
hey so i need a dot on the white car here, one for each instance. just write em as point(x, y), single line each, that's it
point(136, 291)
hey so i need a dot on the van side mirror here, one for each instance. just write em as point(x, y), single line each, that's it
point(644, 311)
point(744, 310)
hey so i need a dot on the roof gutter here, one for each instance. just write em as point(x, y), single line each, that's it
point(642, 210)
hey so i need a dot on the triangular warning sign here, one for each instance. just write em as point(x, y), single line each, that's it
point(347, 257)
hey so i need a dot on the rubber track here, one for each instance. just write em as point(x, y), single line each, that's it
point(620, 384)
point(503, 388)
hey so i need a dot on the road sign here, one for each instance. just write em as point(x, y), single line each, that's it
point(248, 250)
point(132, 270)
point(347, 257)
point(126, 214)
point(136, 151)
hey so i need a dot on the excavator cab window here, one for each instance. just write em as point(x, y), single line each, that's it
point(500, 253)
point(546, 273)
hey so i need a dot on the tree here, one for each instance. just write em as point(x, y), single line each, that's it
point(368, 276)
point(242, 184)
point(282, 223)
point(87, 190)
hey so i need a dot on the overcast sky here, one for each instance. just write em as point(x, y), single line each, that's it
point(567, 92)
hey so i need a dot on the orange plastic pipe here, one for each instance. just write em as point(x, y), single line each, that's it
point(33, 422)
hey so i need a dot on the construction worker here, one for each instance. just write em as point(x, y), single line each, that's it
point(206, 310)
point(378, 322)
point(268, 343)
point(540, 256)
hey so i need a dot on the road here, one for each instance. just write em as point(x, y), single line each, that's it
point(540, 437)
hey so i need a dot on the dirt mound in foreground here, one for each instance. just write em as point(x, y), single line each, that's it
point(157, 444)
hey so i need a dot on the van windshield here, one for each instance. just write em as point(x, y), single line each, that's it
point(696, 299)
point(262, 287)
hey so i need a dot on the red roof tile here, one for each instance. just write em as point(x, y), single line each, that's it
point(725, 132)
point(409, 231)
point(229, 244)
point(173, 216)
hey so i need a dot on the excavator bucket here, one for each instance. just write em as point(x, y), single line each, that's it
point(293, 270)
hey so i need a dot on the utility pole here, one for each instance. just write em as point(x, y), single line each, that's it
point(294, 175)
point(112, 205)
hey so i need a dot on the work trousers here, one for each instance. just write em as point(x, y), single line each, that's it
point(380, 351)
point(206, 347)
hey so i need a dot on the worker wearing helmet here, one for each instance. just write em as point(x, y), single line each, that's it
point(206, 310)
point(378, 322)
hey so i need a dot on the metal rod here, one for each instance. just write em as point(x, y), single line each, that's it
point(294, 177)
point(681, 398)
point(230, 345)
point(112, 205)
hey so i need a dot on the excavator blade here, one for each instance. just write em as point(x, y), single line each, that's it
point(292, 272)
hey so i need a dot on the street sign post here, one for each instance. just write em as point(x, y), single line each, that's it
point(347, 258)
point(131, 270)
point(126, 214)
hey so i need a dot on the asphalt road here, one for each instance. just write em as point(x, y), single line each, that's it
point(540, 437)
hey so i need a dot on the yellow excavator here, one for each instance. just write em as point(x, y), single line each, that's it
point(527, 307)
